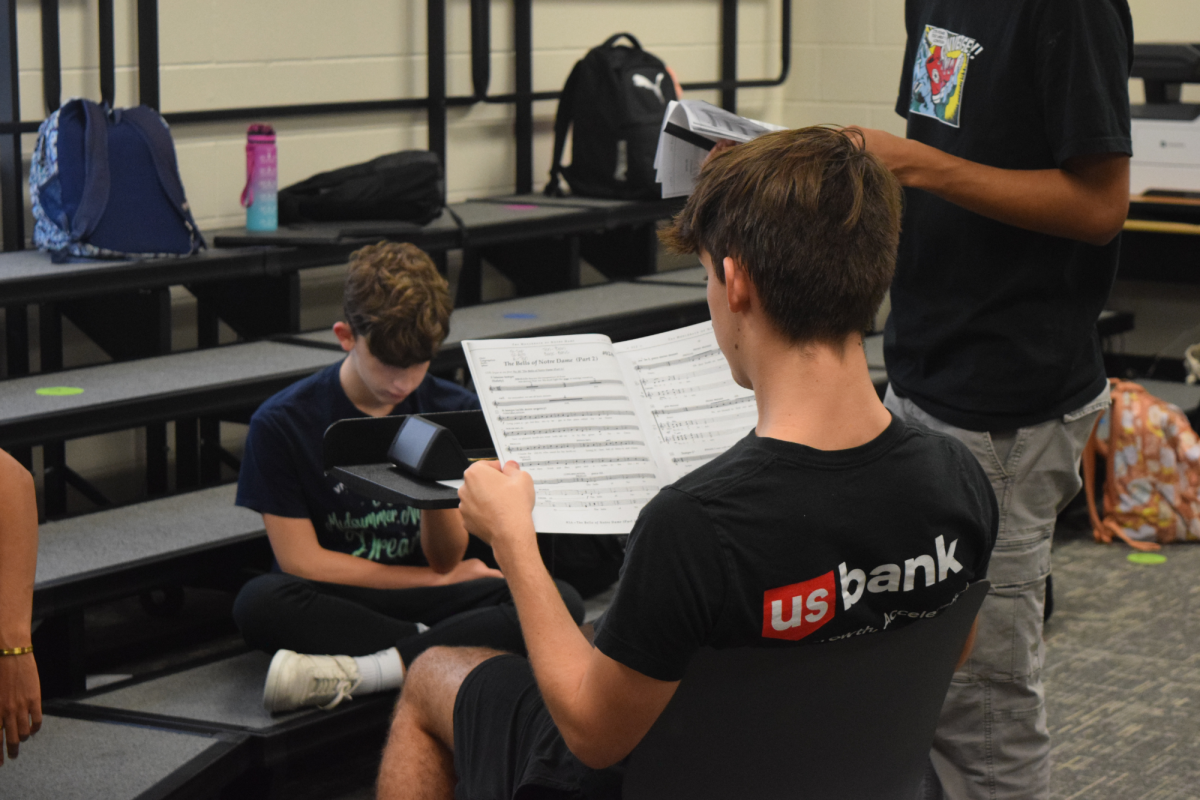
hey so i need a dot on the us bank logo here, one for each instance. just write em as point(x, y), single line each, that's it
point(940, 73)
point(795, 611)
point(798, 610)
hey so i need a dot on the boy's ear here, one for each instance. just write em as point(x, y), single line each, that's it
point(345, 336)
point(738, 288)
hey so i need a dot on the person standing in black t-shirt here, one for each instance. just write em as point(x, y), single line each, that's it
point(832, 518)
point(1016, 168)
point(373, 583)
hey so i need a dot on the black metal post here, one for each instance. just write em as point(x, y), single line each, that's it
point(435, 37)
point(54, 478)
point(12, 199)
point(523, 45)
point(481, 47)
point(108, 61)
point(51, 63)
point(16, 331)
point(50, 342)
point(187, 453)
point(147, 32)
point(729, 48)
point(60, 647)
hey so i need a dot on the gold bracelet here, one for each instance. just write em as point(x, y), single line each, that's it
point(17, 651)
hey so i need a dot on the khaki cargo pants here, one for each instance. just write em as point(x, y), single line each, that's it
point(992, 742)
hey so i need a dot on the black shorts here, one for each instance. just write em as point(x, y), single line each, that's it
point(506, 746)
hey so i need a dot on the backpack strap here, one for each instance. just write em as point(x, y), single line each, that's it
point(1100, 532)
point(562, 123)
point(612, 40)
point(162, 148)
point(96, 177)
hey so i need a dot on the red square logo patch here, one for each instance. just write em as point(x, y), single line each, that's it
point(793, 612)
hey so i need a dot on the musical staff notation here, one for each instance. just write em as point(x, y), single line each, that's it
point(577, 429)
point(602, 427)
point(631, 476)
point(536, 448)
point(575, 462)
point(532, 387)
point(674, 362)
point(563, 415)
point(532, 401)
point(736, 401)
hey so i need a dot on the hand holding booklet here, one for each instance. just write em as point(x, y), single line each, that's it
point(690, 129)
point(601, 427)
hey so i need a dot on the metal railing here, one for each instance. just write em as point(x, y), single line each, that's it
point(435, 103)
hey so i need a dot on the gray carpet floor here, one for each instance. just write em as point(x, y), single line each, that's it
point(1122, 680)
point(1122, 677)
point(1123, 674)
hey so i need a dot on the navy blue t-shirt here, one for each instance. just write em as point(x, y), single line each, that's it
point(282, 471)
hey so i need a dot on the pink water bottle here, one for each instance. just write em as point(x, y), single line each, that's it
point(260, 197)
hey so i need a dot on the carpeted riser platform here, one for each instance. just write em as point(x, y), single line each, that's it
point(77, 759)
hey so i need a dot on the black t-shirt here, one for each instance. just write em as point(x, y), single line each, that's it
point(282, 474)
point(994, 327)
point(774, 543)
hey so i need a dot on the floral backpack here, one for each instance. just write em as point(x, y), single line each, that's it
point(1152, 457)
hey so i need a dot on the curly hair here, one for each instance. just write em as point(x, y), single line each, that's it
point(395, 297)
point(812, 217)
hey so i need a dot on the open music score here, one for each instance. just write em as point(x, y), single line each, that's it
point(689, 405)
point(602, 427)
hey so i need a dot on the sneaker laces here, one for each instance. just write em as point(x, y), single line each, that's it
point(340, 688)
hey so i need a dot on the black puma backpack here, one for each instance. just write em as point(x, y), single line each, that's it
point(615, 97)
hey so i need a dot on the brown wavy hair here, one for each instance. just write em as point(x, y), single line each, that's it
point(812, 217)
point(395, 297)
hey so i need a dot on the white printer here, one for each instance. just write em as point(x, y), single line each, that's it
point(1166, 131)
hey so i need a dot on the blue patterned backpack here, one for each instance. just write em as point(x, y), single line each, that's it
point(104, 183)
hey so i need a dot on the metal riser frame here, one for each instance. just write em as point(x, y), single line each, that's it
point(435, 103)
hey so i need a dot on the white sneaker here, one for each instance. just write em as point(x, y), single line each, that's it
point(295, 680)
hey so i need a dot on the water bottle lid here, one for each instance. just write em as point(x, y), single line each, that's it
point(260, 129)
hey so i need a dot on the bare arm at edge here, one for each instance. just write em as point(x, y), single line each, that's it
point(20, 689)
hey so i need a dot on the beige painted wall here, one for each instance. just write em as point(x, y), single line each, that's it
point(218, 53)
point(214, 53)
point(846, 69)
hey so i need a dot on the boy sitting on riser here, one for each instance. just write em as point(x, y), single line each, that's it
point(371, 582)
point(830, 519)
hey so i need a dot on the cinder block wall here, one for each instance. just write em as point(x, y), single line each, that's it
point(221, 53)
point(847, 64)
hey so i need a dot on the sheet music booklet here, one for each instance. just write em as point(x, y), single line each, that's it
point(602, 427)
point(690, 128)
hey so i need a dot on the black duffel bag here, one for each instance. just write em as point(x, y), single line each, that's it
point(404, 186)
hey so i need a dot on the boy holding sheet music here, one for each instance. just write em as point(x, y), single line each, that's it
point(831, 518)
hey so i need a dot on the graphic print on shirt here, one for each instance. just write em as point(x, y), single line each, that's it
point(939, 74)
point(798, 610)
point(379, 532)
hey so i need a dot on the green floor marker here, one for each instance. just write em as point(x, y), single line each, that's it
point(59, 391)
point(1147, 558)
